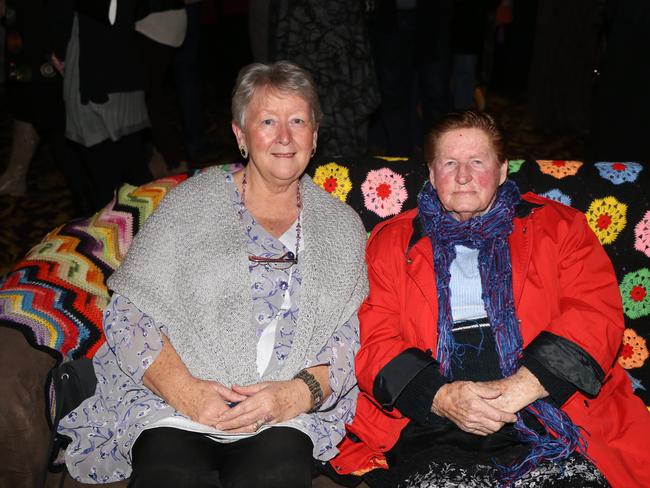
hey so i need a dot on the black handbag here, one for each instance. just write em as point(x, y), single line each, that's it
point(72, 382)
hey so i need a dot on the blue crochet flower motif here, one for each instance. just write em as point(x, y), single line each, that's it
point(619, 173)
point(558, 196)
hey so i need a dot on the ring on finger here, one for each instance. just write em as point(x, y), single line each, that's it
point(257, 424)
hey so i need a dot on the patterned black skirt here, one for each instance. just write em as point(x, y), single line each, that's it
point(426, 457)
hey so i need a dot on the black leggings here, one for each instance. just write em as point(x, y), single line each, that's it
point(166, 457)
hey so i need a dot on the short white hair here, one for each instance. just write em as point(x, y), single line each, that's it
point(284, 76)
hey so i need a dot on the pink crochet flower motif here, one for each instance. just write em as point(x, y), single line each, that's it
point(642, 235)
point(384, 192)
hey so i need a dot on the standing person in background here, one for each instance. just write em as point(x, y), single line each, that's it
point(468, 26)
point(188, 86)
point(160, 31)
point(34, 96)
point(258, 29)
point(621, 90)
point(411, 45)
point(562, 66)
point(330, 40)
point(103, 92)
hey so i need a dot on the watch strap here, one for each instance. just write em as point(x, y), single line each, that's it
point(314, 388)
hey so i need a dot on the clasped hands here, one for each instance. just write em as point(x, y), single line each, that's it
point(483, 408)
point(245, 408)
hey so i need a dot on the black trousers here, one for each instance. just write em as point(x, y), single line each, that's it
point(157, 60)
point(164, 457)
point(111, 163)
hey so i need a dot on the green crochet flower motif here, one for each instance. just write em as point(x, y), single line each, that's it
point(514, 165)
point(634, 291)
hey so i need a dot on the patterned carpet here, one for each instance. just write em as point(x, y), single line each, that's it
point(47, 204)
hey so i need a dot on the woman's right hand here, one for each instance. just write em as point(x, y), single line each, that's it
point(201, 400)
point(204, 401)
point(465, 403)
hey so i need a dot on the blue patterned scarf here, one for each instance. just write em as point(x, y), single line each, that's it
point(489, 234)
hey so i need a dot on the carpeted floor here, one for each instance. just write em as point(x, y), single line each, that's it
point(47, 204)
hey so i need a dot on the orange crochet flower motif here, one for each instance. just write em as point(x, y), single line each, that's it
point(634, 351)
point(607, 217)
point(334, 179)
point(558, 169)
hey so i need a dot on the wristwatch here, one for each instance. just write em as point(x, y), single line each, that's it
point(314, 388)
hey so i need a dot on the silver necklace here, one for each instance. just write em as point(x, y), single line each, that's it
point(289, 257)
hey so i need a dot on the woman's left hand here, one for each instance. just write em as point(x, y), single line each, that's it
point(267, 403)
point(517, 391)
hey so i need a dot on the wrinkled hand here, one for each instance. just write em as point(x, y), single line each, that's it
point(517, 391)
point(204, 401)
point(467, 404)
point(266, 403)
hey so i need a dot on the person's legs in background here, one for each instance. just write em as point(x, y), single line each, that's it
point(188, 85)
point(157, 59)
point(111, 163)
point(131, 154)
point(394, 57)
point(434, 91)
point(463, 80)
point(68, 161)
point(24, 142)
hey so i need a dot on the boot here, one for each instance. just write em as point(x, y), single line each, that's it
point(23, 146)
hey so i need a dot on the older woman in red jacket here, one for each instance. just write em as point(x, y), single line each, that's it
point(489, 338)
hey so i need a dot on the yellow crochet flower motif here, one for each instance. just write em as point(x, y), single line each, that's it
point(607, 217)
point(558, 169)
point(634, 351)
point(334, 179)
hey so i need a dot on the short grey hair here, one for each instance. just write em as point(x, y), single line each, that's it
point(284, 76)
point(467, 119)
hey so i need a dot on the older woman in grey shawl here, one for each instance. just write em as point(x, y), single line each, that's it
point(232, 330)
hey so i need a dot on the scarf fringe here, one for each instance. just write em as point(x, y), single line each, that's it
point(545, 448)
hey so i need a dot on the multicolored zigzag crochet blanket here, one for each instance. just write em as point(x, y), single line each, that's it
point(58, 291)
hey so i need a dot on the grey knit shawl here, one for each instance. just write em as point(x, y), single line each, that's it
point(188, 268)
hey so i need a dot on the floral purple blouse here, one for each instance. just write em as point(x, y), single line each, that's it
point(104, 427)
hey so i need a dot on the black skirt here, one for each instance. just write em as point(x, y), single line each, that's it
point(444, 456)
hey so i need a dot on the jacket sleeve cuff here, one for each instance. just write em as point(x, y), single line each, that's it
point(395, 376)
point(565, 361)
point(416, 398)
point(559, 390)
